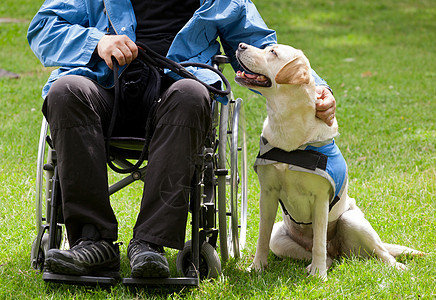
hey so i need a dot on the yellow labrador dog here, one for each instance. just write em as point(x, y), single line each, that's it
point(300, 167)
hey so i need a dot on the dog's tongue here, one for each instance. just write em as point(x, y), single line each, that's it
point(251, 76)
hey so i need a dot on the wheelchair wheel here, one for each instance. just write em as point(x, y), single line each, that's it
point(40, 243)
point(44, 196)
point(210, 264)
point(38, 251)
point(232, 192)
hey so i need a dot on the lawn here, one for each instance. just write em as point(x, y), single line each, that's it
point(378, 57)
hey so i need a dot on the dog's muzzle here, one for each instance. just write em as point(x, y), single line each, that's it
point(248, 78)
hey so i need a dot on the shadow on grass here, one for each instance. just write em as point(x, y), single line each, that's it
point(121, 290)
point(235, 280)
point(281, 275)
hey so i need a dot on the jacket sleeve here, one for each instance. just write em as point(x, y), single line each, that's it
point(59, 34)
point(243, 24)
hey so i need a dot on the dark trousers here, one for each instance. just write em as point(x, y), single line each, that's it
point(78, 112)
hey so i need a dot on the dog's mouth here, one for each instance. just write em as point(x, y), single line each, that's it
point(251, 79)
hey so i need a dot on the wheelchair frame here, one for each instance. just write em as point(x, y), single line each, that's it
point(219, 185)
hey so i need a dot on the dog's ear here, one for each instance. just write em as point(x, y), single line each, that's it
point(295, 71)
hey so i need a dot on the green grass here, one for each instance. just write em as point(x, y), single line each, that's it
point(378, 56)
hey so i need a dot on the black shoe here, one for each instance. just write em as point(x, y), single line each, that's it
point(87, 258)
point(147, 260)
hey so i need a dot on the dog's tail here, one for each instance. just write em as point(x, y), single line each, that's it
point(397, 250)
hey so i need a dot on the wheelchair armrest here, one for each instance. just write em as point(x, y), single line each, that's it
point(219, 60)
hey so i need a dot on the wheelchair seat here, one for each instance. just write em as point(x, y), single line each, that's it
point(127, 143)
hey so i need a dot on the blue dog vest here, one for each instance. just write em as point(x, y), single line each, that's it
point(323, 159)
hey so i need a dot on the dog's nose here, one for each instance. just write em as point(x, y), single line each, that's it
point(242, 46)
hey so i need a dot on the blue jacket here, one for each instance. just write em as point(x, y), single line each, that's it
point(65, 33)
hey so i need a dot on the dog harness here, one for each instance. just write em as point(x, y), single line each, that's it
point(323, 159)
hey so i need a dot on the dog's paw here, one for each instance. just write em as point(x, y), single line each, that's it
point(252, 268)
point(399, 266)
point(317, 272)
point(258, 266)
point(419, 253)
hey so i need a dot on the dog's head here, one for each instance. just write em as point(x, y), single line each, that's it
point(269, 67)
point(282, 74)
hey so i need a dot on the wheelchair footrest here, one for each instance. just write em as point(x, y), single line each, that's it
point(79, 280)
point(186, 281)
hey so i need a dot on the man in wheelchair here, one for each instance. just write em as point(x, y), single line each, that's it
point(82, 37)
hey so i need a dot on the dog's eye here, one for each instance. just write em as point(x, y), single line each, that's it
point(273, 52)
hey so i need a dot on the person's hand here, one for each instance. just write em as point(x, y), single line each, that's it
point(326, 107)
point(119, 46)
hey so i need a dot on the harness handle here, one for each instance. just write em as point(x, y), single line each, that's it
point(161, 62)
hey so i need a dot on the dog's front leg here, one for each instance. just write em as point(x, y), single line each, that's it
point(320, 210)
point(268, 211)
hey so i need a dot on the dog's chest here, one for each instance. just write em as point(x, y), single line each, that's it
point(300, 178)
point(297, 192)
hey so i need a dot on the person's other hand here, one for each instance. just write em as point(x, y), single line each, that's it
point(326, 107)
point(119, 46)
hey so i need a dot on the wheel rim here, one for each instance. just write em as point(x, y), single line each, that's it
point(238, 181)
point(232, 188)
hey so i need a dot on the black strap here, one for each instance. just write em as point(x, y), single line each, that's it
point(157, 63)
point(308, 159)
point(285, 211)
point(160, 62)
point(335, 200)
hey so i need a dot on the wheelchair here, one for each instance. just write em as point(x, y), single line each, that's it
point(218, 195)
